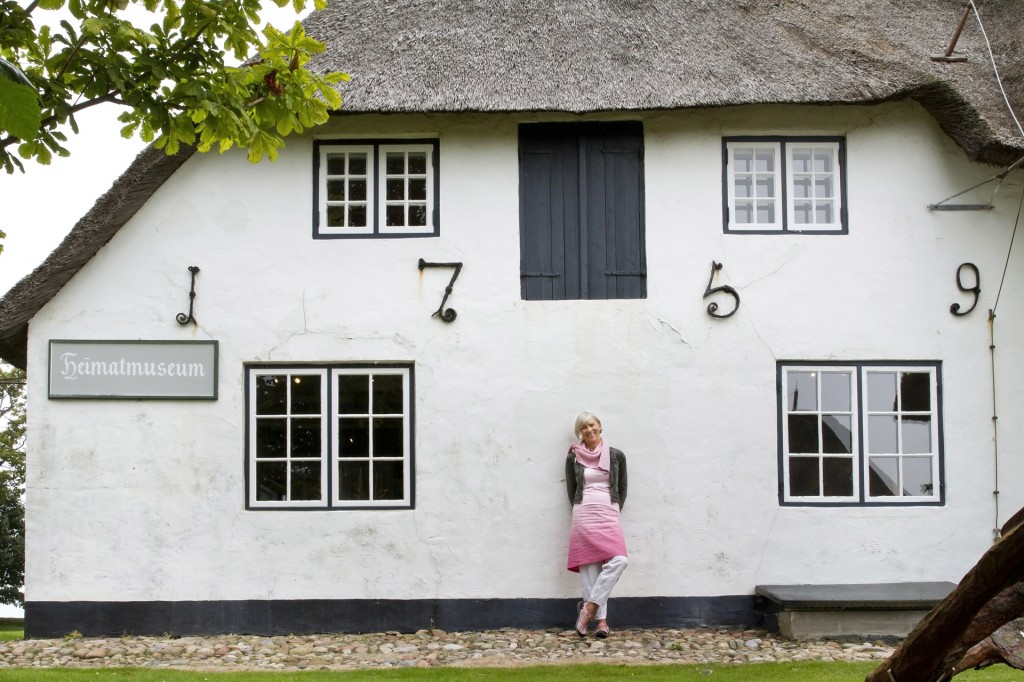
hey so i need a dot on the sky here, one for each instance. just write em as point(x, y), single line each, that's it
point(40, 206)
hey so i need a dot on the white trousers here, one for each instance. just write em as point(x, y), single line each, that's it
point(598, 581)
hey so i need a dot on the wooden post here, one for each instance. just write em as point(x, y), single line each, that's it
point(922, 656)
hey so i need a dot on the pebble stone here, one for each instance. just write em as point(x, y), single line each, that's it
point(429, 648)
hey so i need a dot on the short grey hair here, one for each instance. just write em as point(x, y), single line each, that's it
point(583, 419)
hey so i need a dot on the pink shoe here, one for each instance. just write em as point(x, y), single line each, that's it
point(582, 621)
point(603, 630)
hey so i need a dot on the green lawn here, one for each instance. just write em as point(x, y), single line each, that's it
point(760, 672)
point(12, 628)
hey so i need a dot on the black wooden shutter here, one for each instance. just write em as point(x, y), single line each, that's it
point(581, 211)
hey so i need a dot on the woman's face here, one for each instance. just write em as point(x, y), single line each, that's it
point(590, 432)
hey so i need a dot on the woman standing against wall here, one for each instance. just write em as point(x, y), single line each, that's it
point(595, 480)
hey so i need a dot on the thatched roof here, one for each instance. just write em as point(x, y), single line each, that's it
point(607, 55)
point(613, 55)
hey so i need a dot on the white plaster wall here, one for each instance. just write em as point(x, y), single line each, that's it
point(144, 500)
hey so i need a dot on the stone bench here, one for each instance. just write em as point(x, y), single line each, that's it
point(871, 609)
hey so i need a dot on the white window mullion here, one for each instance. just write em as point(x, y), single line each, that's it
point(755, 186)
point(287, 414)
point(813, 186)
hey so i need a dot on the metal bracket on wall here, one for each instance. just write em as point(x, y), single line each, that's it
point(448, 315)
point(976, 289)
point(182, 318)
point(725, 289)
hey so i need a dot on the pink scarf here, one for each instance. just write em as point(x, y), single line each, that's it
point(601, 458)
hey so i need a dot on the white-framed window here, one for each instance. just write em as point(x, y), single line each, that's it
point(791, 184)
point(860, 433)
point(335, 436)
point(367, 188)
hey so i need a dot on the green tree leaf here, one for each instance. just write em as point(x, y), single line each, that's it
point(20, 113)
point(173, 80)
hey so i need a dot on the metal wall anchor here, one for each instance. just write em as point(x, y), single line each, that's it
point(725, 289)
point(182, 318)
point(448, 315)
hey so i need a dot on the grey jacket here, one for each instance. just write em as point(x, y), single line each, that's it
point(574, 478)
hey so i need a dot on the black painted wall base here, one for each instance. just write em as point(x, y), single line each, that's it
point(54, 618)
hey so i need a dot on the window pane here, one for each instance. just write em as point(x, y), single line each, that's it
point(917, 435)
point(271, 437)
point(917, 476)
point(417, 163)
point(838, 476)
point(744, 213)
point(801, 160)
point(418, 189)
point(884, 476)
point(305, 395)
point(357, 164)
point(387, 394)
point(336, 190)
point(835, 391)
point(387, 481)
point(395, 189)
point(836, 434)
point(395, 164)
point(915, 392)
point(335, 216)
point(882, 391)
point(823, 160)
point(882, 434)
point(803, 476)
point(357, 216)
point(271, 392)
point(765, 212)
point(801, 187)
point(802, 212)
point(417, 215)
point(396, 216)
point(354, 480)
point(387, 437)
point(744, 159)
point(353, 437)
point(357, 190)
point(335, 164)
point(743, 186)
point(353, 394)
point(305, 480)
point(271, 480)
point(823, 187)
point(765, 160)
point(765, 186)
point(823, 213)
point(305, 438)
point(803, 433)
point(803, 391)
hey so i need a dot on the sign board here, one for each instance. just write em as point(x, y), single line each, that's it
point(154, 370)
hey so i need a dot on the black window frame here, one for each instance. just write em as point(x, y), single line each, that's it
point(783, 141)
point(859, 367)
point(328, 368)
point(375, 218)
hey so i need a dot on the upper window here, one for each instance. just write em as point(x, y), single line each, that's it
point(860, 433)
point(329, 437)
point(793, 184)
point(581, 211)
point(376, 189)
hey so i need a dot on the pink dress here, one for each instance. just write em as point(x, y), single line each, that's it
point(596, 534)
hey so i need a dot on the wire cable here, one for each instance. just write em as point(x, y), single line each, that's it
point(995, 69)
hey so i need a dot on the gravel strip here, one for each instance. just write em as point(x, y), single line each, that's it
point(498, 648)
